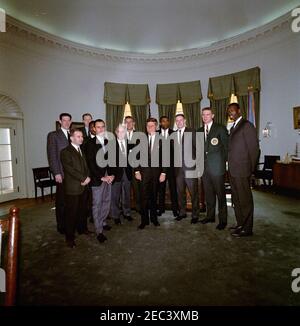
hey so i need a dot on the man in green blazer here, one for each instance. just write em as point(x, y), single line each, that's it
point(76, 179)
point(215, 157)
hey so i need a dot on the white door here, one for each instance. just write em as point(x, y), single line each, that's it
point(9, 187)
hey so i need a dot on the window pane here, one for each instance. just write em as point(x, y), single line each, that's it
point(5, 153)
point(6, 169)
point(4, 136)
point(7, 185)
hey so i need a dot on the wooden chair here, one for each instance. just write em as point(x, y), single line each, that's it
point(43, 179)
point(10, 238)
point(266, 173)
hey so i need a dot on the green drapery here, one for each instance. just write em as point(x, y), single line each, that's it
point(220, 110)
point(114, 116)
point(192, 113)
point(140, 115)
point(167, 94)
point(116, 95)
point(169, 111)
point(240, 83)
point(190, 92)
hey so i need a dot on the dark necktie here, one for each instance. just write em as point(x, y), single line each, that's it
point(69, 138)
point(180, 137)
point(206, 132)
point(79, 151)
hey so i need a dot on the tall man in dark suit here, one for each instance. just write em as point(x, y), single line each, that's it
point(215, 157)
point(150, 176)
point(86, 119)
point(165, 131)
point(243, 150)
point(56, 141)
point(182, 181)
point(101, 179)
point(76, 179)
point(122, 182)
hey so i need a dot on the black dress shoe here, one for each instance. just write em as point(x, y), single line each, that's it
point(242, 234)
point(117, 221)
point(175, 213)
point(221, 226)
point(101, 237)
point(128, 218)
point(207, 220)
point(71, 243)
point(237, 230)
point(160, 212)
point(233, 227)
point(107, 227)
point(141, 226)
point(61, 230)
point(180, 217)
point(194, 220)
point(156, 223)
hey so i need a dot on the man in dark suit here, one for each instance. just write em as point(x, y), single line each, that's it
point(101, 179)
point(182, 179)
point(76, 179)
point(121, 185)
point(150, 176)
point(86, 119)
point(243, 150)
point(130, 124)
point(165, 131)
point(56, 141)
point(215, 157)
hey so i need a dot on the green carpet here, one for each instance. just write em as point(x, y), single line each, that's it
point(174, 264)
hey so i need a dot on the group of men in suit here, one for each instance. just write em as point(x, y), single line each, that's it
point(79, 160)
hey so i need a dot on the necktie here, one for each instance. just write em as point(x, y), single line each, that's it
point(231, 129)
point(179, 140)
point(79, 151)
point(69, 139)
point(123, 148)
point(206, 131)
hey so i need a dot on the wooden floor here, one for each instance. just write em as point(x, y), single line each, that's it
point(22, 203)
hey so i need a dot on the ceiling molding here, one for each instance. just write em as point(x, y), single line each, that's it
point(31, 33)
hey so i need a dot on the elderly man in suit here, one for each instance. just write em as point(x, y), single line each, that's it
point(150, 176)
point(243, 151)
point(182, 181)
point(56, 142)
point(215, 157)
point(76, 179)
point(121, 185)
point(101, 179)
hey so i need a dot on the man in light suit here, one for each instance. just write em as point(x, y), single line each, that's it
point(215, 157)
point(243, 151)
point(56, 142)
point(76, 179)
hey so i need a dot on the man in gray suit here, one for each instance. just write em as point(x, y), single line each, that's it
point(243, 150)
point(56, 141)
point(215, 157)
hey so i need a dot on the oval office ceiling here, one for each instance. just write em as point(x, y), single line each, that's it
point(146, 26)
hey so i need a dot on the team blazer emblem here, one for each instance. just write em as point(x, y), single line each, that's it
point(214, 141)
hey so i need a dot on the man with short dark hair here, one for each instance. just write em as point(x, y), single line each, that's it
point(56, 142)
point(243, 151)
point(215, 157)
point(76, 179)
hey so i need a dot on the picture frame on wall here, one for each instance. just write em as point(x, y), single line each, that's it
point(297, 117)
point(74, 125)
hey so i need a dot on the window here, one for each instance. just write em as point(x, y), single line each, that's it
point(6, 174)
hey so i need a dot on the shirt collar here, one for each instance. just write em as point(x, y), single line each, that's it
point(237, 121)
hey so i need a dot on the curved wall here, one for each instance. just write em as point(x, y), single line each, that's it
point(46, 77)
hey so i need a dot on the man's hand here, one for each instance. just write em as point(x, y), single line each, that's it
point(162, 177)
point(86, 181)
point(58, 178)
point(138, 175)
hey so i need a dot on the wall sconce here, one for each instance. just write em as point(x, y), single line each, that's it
point(267, 130)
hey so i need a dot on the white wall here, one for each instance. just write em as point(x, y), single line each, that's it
point(45, 81)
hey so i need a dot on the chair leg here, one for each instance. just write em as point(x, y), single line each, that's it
point(42, 193)
point(35, 190)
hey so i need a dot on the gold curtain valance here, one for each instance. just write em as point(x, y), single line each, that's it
point(119, 94)
point(188, 92)
point(239, 83)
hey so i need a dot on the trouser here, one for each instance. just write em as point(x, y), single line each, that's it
point(101, 205)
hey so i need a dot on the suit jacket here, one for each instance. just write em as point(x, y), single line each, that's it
point(120, 170)
point(171, 149)
point(75, 170)
point(156, 150)
point(56, 142)
point(97, 172)
point(178, 148)
point(243, 149)
point(85, 134)
point(216, 149)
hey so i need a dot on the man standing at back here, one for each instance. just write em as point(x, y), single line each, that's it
point(56, 141)
point(243, 150)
